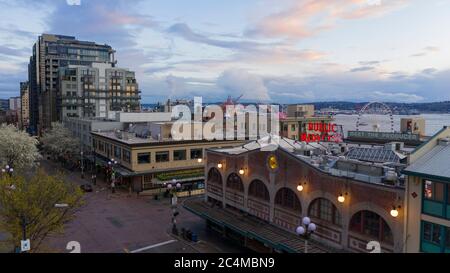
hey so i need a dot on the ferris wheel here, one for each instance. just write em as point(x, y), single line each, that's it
point(374, 116)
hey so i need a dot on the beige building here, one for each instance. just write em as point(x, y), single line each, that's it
point(300, 110)
point(414, 125)
point(427, 224)
point(145, 163)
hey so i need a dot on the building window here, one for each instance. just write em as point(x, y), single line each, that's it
point(143, 158)
point(162, 156)
point(435, 238)
point(258, 190)
point(126, 156)
point(117, 152)
point(372, 225)
point(101, 146)
point(293, 127)
point(323, 209)
point(196, 153)
point(433, 191)
point(288, 199)
point(214, 176)
point(179, 155)
point(436, 198)
point(234, 182)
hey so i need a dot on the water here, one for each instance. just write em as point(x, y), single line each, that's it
point(433, 122)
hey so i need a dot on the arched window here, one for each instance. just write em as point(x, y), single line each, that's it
point(323, 209)
point(372, 225)
point(288, 199)
point(234, 182)
point(214, 176)
point(258, 190)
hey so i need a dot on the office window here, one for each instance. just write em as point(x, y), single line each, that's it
point(101, 146)
point(196, 153)
point(143, 158)
point(162, 156)
point(126, 156)
point(117, 152)
point(179, 155)
point(433, 191)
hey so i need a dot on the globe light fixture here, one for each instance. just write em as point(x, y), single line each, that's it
point(306, 221)
point(341, 198)
point(219, 165)
point(199, 160)
point(394, 212)
point(300, 230)
point(241, 171)
point(300, 187)
point(169, 186)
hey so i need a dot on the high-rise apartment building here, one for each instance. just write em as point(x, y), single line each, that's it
point(99, 90)
point(14, 103)
point(50, 53)
point(25, 105)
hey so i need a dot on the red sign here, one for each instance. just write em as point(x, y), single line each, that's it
point(325, 132)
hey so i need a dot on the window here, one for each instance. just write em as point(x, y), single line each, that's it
point(214, 176)
point(325, 210)
point(436, 196)
point(196, 153)
point(101, 146)
point(143, 158)
point(126, 156)
point(179, 155)
point(259, 190)
point(234, 182)
point(433, 191)
point(372, 225)
point(162, 156)
point(287, 198)
point(117, 152)
point(293, 127)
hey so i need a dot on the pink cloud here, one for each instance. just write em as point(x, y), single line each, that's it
point(309, 17)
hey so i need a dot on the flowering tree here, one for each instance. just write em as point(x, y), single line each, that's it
point(17, 148)
point(59, 141)
point(37, 206)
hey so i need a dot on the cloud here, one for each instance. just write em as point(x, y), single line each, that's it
point(236, 82)
point(184, 31)
point(309, 17)
point(114, 22)
point(362, 69)
point(395, 97)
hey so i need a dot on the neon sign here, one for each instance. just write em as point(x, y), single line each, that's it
point(321, 132)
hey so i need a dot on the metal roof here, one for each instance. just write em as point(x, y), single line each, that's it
point(435, 163)
point(380, 155)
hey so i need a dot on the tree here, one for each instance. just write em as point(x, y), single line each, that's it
point(59, 141)
point(42, 204)
point(17, 148)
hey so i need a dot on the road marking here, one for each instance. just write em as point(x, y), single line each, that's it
point(153, 246)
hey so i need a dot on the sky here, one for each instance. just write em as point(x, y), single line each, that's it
point(285, 51)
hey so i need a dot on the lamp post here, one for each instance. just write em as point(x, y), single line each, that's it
point(305, 230)
point(173, 188)
point(112, 176)
point(7, 170)
point(82, 165)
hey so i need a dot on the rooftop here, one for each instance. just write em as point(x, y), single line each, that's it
point(434, 164)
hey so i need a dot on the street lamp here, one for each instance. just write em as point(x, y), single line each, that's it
point(82, 165)
point(305, 230)
point(173, 188)
point(8, 170)
point(112, 176)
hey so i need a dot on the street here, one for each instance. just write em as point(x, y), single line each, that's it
point(120, 223)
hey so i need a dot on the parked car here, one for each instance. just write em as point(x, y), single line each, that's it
point(86, 188)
